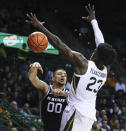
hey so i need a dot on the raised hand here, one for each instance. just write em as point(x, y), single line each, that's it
point(37, 66)
point(91, 13)
point(32, 19)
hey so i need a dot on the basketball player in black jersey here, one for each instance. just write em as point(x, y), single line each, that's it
point(52, 97)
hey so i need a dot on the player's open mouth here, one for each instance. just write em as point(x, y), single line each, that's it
point(62, 79)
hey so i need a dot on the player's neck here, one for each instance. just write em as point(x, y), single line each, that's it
point(99, 66)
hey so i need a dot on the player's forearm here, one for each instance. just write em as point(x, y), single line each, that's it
point(54, 40)
point(32, 74)
point(97, 32)
point(58, 44)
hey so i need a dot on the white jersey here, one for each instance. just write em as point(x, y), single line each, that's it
point(84, 90)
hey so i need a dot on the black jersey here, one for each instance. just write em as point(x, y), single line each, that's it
point(51, 110)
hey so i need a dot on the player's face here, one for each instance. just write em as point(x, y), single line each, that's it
point(60, 77)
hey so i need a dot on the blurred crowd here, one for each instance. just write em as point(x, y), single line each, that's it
point(111, 101)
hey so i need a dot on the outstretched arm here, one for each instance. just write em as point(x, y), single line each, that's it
point(72, 56)
point(91, 18)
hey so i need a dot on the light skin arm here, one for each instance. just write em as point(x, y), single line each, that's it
point(74, 57)
point(32, 75)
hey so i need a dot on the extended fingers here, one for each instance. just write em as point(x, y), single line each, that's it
point(30, 65)
point(36, 64)
point(32, 15)
point(28, 21)
point(43, 22)
point(92, 7)
point(85, 18)
point(89, 8)
point(35, 16)
point(40, 68)
point(29, 16)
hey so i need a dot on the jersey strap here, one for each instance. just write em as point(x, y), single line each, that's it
point(75, 82)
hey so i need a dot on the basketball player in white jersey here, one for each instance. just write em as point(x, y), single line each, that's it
point(89, 75)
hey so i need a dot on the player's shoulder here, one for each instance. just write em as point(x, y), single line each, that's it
point(91, 64)
point(49, 90)
point(80, 56)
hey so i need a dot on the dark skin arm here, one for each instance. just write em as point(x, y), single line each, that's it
point(79, 61)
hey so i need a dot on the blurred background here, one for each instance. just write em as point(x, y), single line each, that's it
point(63, 18)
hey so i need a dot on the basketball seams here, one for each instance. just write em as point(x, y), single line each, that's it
point(32, 41)
point(30, 45)
point(42, 40)
point(41, 48)
point(37, 39)
point(38, 44)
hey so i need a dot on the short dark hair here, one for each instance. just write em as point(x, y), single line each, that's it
point(106, 54)
point(57, 70)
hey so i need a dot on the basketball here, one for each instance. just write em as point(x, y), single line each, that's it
point(37, 42)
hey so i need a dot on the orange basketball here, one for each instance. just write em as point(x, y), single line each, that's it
point(37, 42)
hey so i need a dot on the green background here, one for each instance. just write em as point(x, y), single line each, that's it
point(15, 41)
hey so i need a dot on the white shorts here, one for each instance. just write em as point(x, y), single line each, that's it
point(72, 120)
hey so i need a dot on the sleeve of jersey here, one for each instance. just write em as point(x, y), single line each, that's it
point(97, 32)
